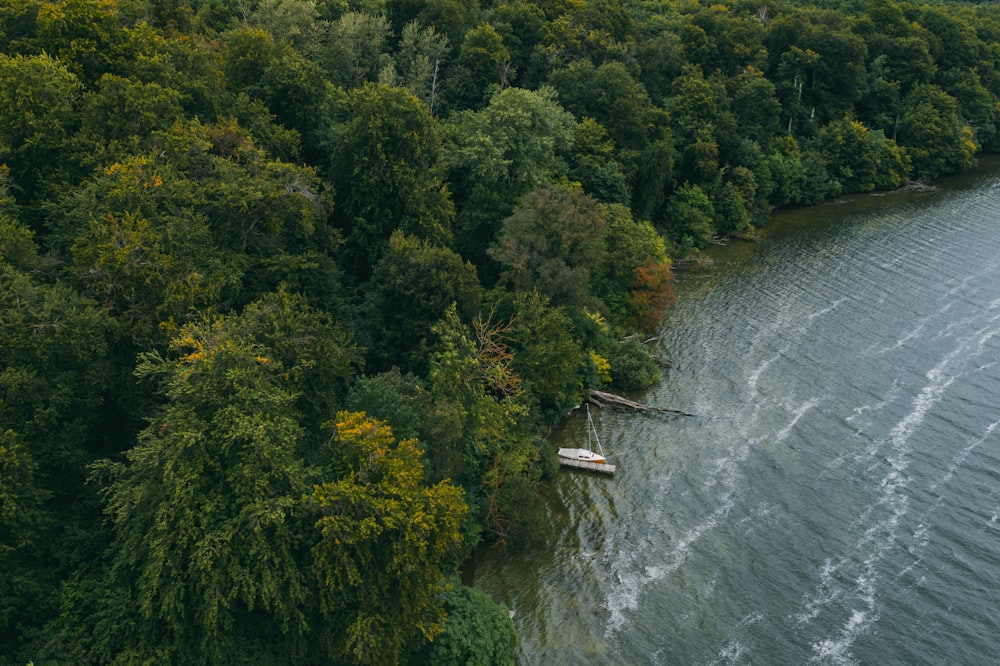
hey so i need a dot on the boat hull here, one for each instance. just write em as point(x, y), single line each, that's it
point(584, 455)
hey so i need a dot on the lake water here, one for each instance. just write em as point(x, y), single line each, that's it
point(836, 497)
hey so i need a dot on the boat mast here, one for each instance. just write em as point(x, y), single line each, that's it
point(592, 430)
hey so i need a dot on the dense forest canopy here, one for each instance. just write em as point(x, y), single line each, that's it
point(291, 289)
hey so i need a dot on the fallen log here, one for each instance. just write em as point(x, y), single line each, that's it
point(612, 401)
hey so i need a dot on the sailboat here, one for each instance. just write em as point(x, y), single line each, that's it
point(587, 454)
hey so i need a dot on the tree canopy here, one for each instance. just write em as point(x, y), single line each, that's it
point(290, 291)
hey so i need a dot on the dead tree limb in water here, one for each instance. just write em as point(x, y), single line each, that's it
point(612, 401)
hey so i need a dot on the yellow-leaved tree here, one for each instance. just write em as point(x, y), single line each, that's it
point(386, 541)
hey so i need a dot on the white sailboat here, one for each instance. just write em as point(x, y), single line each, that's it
point(587, 454)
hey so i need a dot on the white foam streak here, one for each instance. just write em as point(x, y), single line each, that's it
point(838, 651)
point(625, 596)
point(879, 538)
point(885, 515)
point(782, 434)
point(963, 455)
point(827, 310)
point(915, 333)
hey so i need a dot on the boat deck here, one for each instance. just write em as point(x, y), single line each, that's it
point(586, 464)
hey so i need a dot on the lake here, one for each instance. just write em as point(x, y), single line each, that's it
point(835, 498)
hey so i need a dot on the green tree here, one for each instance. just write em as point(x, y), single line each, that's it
point(977, 104)
point(705, 126)
point(56, 383)
point(641, 131)
point(17, 242)
point(689, 217)
point(452, 18)
point(596, 30)
point(290, 84)
point(386, 542)
point(120, 114)
point(553, 243)
point(477, 631)
point(594, 164)
point(610, 95)
point(796, 71)
point(136, 272)
point(905, 60)
point(420, 63)
point(784, 164)
point(521, 24)
point(952, 37)
point(500, 153)
point(485, 62)
point(294, 21)
point(635, 280)
point(879, 105)
point(400, 400)
point(355, 49)
point(632, 367)
point(85, 36)
point(861, 159)
point(22, 522)
point(483, 430)
point(935, 136)
point(38, 98)
point(203, 508)
point(548, 357)
point(320, 357)
point(412, 287)
point(205, 217)
point(384, 169)
point(756, 107)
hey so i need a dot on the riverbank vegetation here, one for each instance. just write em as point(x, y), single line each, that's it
point(291, 289)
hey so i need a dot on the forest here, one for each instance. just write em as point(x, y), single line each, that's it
point(291, 290)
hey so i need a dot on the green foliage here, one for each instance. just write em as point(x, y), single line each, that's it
point(400, 400)
point(632, 367)
point(54, 378)
point(293, 21)
point(242, 195)
point(477, 631)
point(486, 433)
point(17, 244)
point(640, 130)
point(384, 540)
point(319, 356)
point(203, 218)
point(120, 114)
point(689, 216)
point(355, 49)
point(37, 99)
point(422, 54)
point(861, 159)
point(214, 509)
point(452, 18)
point(54, 371)
point(88, 35)
point(496, 155)
point(934, 134)
point(203, 509)
point(547, 354)
point(486, 60)
point(756, 106)
point(21, 518)
point(384, 155)
point(784, 166)
point(635, 279)
point(413, 286)
point(552, 243)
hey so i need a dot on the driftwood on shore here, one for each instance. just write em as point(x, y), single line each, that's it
point(612, 401)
